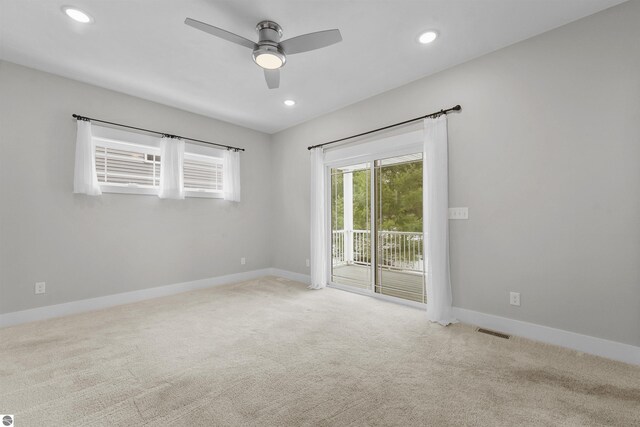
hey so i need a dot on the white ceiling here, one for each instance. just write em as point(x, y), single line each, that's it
point(142, 47)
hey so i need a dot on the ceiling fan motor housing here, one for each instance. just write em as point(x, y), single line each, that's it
point(268, 53)
point(269, 31)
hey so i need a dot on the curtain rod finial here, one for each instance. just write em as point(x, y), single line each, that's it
point(81, 118)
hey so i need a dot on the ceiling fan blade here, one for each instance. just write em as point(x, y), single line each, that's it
point(273, 78)
point(311, 41)
point(219, 32)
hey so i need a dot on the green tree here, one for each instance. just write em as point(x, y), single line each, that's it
point(400, 204)
point(362, 199)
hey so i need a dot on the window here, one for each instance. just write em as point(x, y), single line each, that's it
point(134, 167)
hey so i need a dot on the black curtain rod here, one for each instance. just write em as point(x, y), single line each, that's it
point(168, 135)
point(436, 114)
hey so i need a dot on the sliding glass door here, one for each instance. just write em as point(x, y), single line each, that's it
point(383, 199)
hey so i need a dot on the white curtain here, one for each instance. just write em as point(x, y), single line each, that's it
point(318, 229)
point(436, 220)
point(171, 168)
point(85, 178)
point(231, 175)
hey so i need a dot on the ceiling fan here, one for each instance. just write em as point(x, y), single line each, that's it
point(269, 52)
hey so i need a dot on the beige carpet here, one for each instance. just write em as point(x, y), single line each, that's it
point(271, 352)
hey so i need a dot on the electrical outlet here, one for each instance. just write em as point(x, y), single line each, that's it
point(243, 261)
point(40, 288)
point(458, 213)
point(514, 298)
point(308, 264)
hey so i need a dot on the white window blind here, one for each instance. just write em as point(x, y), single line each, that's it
point(124, 167)
point(202, 173)
point(131, 166)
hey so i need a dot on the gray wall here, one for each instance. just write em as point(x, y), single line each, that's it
point(546, 155)
point(86, 247)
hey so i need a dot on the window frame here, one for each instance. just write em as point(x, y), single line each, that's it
point(149, 145)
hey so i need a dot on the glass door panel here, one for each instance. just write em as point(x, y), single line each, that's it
point(398, 227)
point(351, 225)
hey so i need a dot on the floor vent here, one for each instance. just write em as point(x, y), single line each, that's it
point(494, 333)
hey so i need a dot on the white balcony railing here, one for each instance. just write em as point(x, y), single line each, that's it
point(398, 250)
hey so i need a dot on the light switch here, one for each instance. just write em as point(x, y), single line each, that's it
point(458, 213)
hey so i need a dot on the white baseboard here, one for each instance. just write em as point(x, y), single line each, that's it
point(58, 310)
point(584, 343)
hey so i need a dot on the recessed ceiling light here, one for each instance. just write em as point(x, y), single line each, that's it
point(77, 15)
point(427, 37)
point(289, 102)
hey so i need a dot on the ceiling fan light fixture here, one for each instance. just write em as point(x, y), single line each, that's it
point(268, 61)
point(77, 14)
point(427, 37)
point(269, 57)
